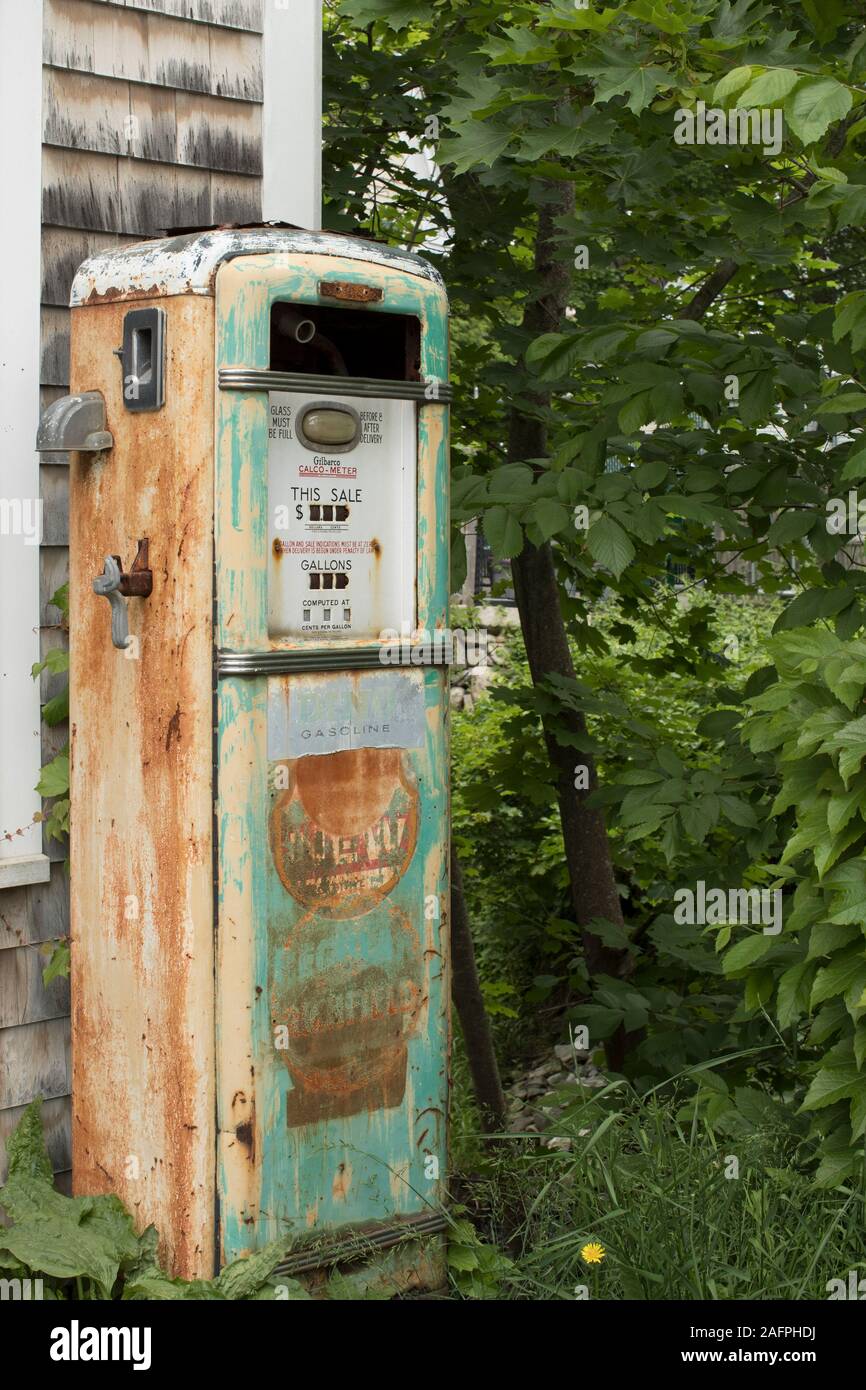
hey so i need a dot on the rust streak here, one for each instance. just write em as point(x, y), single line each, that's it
point(115, 295)
point(173, 730)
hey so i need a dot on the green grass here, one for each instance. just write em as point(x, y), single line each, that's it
point(649, 1184)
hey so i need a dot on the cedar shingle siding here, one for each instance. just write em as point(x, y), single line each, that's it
point(151, 119)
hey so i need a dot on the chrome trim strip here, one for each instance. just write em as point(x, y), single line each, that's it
point(254, 379)
point(298, 659)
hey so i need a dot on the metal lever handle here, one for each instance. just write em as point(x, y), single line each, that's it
point(114, 585)
point(108, 585)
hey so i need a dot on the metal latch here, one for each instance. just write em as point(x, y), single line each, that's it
point(143, 359)
point(114, 585)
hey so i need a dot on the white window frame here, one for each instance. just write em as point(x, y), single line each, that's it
point(21, 858)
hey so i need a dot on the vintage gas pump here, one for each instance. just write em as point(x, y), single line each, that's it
point(259, 777)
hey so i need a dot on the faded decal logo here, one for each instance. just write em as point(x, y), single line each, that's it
point(346, 997)
point(344, 831)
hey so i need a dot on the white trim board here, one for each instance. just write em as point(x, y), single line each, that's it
point(292, 113)
point(24, 868)
point(20, 247)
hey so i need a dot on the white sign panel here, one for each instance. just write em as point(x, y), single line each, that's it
point(342, 536)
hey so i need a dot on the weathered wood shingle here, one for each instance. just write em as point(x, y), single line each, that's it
point(33, 914)
point(24, 998)
point(80, 190)
point(86, 36)
point(218, 134)
point(137, 199)
point(54, 370)
point(63, 250)
point(105, 115)
point(234, 14)
point(34, 1061)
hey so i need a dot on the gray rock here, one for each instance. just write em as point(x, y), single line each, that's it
point(524, 1125)
point(559, 1144)
point(592, 1080)
point(497, 619)
point(479, 677)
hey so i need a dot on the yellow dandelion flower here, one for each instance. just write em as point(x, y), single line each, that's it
point(593, 1253)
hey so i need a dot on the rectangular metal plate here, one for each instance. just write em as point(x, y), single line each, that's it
point(370, 710)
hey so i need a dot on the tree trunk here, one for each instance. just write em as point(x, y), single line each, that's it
point(466, 993)
point(587, 851)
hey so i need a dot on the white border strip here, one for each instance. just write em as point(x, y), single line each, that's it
point(292, 113)
point(21, 860)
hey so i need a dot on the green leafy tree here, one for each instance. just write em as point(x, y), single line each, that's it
point(650, 219)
